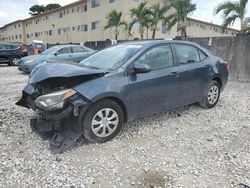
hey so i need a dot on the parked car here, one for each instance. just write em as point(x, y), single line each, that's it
point(75, 53)
point(10, 53)
point(119, 84)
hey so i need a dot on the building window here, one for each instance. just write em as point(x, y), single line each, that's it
point(95, 25)
point(95, 3)
point(73, 28)
point(50, 32)
point(112, 1)
point(78, 9)
point(84, 8)
point(20, 36)
point(67, 11)
point(84, 28)
point(73, 10)
point(16, 36)
point(60, 14)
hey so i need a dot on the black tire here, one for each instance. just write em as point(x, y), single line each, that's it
point(12, 60)
point(91, 113)
point(204, 103)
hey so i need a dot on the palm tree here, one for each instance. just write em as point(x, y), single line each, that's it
point(114, 20)
point(231, 12)
point(140, 16)
point(158, 14)
point(183, 8)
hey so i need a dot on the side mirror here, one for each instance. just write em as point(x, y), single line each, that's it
point(56, 53)
point(141, 68)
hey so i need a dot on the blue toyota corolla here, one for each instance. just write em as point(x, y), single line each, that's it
point(118, 84)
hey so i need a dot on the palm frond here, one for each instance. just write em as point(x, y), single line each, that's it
point(229, 21)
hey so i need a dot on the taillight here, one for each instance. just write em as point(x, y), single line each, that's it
point(24, 48)
point(226, 64)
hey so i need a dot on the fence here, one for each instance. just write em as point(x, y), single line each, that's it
point(236, 50)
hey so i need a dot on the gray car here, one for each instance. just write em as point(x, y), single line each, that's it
point(118, 84)
point(73, 53)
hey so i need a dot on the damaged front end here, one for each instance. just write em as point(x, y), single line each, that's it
point(57, 116)
point(58, 108)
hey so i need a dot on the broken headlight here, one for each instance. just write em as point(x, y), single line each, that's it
point(54, 100)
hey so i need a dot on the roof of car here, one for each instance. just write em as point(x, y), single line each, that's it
point(67, 45)
point(154, 42)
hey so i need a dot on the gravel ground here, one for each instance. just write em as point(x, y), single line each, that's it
point(189, 148)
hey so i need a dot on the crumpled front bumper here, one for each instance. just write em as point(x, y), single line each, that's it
point(60, 127)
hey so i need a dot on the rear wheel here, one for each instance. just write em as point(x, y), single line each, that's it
point(211, 97)
point(13, 61)
point(103, 121)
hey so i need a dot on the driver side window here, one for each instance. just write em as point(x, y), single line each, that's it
point(158, 58)
point(65, 50)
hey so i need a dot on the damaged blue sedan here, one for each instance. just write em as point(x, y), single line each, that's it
point(117, 85)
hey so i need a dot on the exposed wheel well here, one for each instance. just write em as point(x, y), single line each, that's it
point(122, 105)
point(217, 79)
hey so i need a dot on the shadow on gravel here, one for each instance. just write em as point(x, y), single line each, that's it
point(154, 179)
point(135, 126)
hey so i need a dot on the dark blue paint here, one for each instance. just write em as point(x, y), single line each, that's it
point(146, 93)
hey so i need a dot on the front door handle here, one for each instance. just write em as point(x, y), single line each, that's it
point(174, 74)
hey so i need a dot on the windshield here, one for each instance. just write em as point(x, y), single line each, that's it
point(50, 50)
point(111, 58)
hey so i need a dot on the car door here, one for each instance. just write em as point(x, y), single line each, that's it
point(79, 53)
point(194, 70)
point(63, 54)
point(158, 89)
point(2, 52)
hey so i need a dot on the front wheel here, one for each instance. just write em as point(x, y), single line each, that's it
point(103, 121)
point(211, 97)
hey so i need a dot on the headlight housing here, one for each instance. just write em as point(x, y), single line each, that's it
point(29, 61)
point(54, 100)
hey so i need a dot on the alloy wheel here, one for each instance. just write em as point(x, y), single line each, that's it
point(104, 122)
point(213, 95)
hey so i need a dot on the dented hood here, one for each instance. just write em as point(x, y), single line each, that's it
point(60, 70)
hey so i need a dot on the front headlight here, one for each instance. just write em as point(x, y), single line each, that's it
point(54, 100)
point(29, 61)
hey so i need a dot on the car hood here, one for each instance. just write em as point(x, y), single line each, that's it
point(34, 57)
point(46, 71)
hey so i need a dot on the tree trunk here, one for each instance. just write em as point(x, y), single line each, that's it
point(116, 33)
point(153, 36)
point(185, 32)
point(242, 24)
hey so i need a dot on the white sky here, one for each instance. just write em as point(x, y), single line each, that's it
point(11, 10)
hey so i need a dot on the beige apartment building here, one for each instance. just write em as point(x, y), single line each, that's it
point(85, 20)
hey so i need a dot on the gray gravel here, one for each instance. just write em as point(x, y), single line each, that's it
point(189, 148)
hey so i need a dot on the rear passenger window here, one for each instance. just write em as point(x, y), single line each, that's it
point(202, 55)
point(158, 58)
point(10, 47)
point(187, 54)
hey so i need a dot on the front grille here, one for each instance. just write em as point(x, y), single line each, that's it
point(20, 62)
